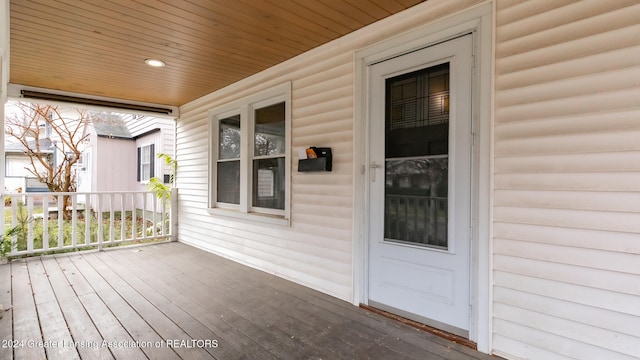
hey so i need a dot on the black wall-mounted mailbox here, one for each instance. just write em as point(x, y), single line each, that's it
point(323, 161)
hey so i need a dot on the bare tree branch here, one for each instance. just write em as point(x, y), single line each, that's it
point(42, 128)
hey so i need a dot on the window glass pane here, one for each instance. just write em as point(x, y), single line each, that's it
point(268, 183)
point(146, 154)
point(229, 138)
point(228, 182)
point(270, 130)
point(417, 113)
point(145, 163)
point(146, 172)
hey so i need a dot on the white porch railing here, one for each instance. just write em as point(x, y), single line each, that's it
point(90, 220)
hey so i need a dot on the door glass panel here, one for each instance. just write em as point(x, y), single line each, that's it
point(416, 157)
point(416, 201)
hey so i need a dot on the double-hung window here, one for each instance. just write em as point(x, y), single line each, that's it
point(250, 157)
point(145, 162)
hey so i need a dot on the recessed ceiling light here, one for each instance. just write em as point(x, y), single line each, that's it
point(154, 62)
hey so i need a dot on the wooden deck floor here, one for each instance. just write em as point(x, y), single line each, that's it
point(172, 301)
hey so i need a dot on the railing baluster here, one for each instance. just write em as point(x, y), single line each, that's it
point(396, 207)
point(419, 228)
point(14, 223)
point(123, 218)
point(173, 217)
point(434, 220)
point(111, 220)
point(446, 228)
point(427, 206)
point(45, 222)
point(99, 209)
point(88, 201)
point(163, 215)
point(144, 216)
point(61, 209)
point(154, 210)
point(134, 218)
point(29, 224)
point(406, 218)
point(74, 221)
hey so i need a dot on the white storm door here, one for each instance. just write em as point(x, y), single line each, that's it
point(420, 144)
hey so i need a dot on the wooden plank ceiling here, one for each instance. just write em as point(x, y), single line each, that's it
point(98, 47)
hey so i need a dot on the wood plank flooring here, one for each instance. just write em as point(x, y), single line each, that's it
point(172, 301)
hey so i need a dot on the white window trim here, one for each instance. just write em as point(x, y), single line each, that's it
point(245, 108)
point(144, 162)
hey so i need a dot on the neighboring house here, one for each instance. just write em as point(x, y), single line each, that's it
point(120, 152)
point(153, 136)
point(17, 165)
point(523, 234)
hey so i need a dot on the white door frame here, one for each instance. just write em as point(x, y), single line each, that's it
point(477, 20)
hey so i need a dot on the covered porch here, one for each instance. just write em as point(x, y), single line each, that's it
point(174, 301)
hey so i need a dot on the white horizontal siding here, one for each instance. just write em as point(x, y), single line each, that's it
point(316, 250)
point(596, 298)
point(622, 262)
point(600, 161)
point(141, 125)
point(583, 143)
point(617, 281)
point(582, 219)
point(572, 200)
point(617, 120)
point(533, 343)
point(567, 180)
point(575, 237)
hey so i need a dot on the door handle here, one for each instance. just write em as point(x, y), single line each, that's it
point(373, 166)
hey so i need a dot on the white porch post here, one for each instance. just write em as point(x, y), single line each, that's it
point(174, 214)
point(4, 77)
